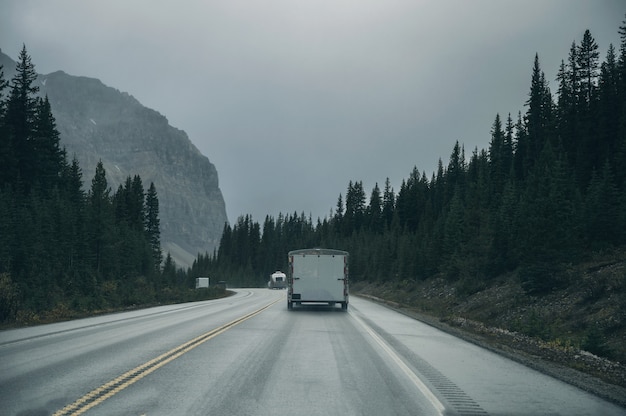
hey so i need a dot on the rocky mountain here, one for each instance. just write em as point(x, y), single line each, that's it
point(97, 122)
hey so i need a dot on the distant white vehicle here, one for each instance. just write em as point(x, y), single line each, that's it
point(202, 282)
point(278, 280)
point(318, 275)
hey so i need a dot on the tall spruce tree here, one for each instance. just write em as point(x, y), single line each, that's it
point(20, 123)
point(587, 59)
point(153, 226)
point(538, 116)
point(507, 151)
point(455, 173)
point(566, 120)
point(100, 216)
point(355, 208)
point(224, 253)
point(589, 155)
point(339, 215)
point(136, 203)
point(50, 157)
point(522, 148)
point(389, 202)
point(497, 157)
point(74, 196)
point(609, 111)
point(7, 155)
point(374, 211)
point(569, 107)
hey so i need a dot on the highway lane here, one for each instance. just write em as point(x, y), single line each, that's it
point(314, 360)
point(46, 367)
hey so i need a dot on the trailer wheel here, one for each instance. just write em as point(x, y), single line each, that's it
point(289, 305)
point(344, 306)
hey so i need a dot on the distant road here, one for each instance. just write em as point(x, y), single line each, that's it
point(248, 355)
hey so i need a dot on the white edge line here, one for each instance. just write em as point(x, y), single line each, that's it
point(405, 369)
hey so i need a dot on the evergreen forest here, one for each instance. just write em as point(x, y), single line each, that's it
point(550, 191)
point(67, 252)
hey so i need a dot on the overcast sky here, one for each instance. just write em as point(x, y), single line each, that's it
point(292, 99)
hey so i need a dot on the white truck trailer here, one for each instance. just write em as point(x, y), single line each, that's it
point(202, 282)
point(317, 275)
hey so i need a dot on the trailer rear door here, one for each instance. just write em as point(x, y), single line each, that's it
point(319, 278)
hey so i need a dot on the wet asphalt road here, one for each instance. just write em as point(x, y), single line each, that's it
point(248, 355)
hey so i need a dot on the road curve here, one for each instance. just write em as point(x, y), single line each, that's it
point(248, 355)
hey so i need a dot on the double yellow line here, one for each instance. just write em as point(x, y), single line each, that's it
point(97, 396)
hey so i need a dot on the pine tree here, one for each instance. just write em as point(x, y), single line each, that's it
point(522, 148)
point(507, 151)
point(622, 49)
point(254, 236)
point(20, 123)
point(389, 203)
point(169, 270)
point(411, 200)
point(538, 116)
point(566, 120)
point(152, 226)
point(497, 156)
point(224, 254)
point(8, 159)
point(99, 211)
point(270, 246)
point(374, 211)
point(587, 59)
point(455, 174)
point(50, 158)
point(610, 108)
point(136, 203)
point(534, 113)
point(74, 196)
point(589, 153)
point(573, 73)
point(355, 208)
point(338, 217)
point(569, 106)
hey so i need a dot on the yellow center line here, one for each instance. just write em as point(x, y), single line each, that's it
point(118, 384)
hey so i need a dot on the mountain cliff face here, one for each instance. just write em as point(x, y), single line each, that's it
point(97, 122)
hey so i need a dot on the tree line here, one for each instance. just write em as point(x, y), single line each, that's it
point(549, 191)
point(64, 250)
